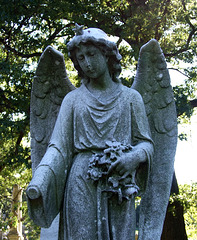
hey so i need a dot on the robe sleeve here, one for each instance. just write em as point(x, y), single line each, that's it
point(50, 175)
point(141, 138)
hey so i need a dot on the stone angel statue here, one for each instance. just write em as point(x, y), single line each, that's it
point(96, 147)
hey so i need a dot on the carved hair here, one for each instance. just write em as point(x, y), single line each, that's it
point(108, 48)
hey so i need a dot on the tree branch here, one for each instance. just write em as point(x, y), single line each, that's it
point(5, 103)
point(17, 53)
point(184, 49)
point(192, 32)
point(19, 139)
point(176, 69)
point(193, 103)
point(165, 11)
point(56, 32)
point(187, 16)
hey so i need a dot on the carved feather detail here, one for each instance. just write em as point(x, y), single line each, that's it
point(50, 86)
point(153, 83)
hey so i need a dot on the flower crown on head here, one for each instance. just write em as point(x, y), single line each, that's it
point(78, 29)
point(95, 35)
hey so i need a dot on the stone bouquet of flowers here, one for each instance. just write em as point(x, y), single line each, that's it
point(112, 182)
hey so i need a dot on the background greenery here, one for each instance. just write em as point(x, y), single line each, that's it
point(27, 27)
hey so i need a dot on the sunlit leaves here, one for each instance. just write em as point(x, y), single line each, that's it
point(188, 198)
point(8, 178)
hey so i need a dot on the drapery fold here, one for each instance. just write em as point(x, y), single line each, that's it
point(83, 126)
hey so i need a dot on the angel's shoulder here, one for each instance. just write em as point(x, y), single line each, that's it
point(131, 94)
point(71, 97)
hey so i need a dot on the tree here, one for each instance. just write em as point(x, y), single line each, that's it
point(181, 204)
point(28, 27)
point(174, 216)
point(187, 203)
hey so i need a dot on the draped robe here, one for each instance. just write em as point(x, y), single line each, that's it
point(83, 126)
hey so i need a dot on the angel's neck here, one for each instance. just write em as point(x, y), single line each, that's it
point(101, 83)
point(102, 92)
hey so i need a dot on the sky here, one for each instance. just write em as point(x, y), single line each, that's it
point(186, 154)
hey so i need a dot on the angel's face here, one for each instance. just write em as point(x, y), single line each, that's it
point(91, 60)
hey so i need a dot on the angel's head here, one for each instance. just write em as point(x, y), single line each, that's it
point(100, 40)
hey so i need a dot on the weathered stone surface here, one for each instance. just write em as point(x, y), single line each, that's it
point(51, 232)
point(163, 124)
point(101, 151)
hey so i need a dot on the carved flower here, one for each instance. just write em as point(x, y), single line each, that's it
point(112, 183)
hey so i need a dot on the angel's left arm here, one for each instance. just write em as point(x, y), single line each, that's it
point(141, 135)
point(142, 141)
point(140, 157)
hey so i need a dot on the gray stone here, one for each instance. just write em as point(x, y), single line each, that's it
point(100, 150)
point(51, 232)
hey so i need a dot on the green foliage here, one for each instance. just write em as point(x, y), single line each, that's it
point(188, 198)
point(8, 178)
point(182, 103)
point(14, 110)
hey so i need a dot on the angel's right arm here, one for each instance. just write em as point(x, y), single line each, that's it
point(50, 175)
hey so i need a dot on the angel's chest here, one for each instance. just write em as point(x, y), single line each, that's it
point(103, 118)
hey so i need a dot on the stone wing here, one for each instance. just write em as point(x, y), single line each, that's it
point(153, 83)
point(50, 86)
